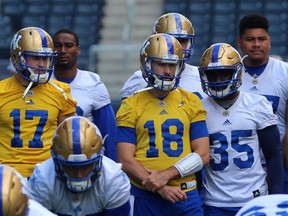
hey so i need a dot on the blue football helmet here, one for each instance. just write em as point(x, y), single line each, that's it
point(179, 27)
point(166, 49)
point(14, 200)
point(220, 57)
point(32, 41)
point(77, 142)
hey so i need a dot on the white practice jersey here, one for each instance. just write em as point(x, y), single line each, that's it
point(270, 205)
point(89, 92)
point(36, 209)
point(111, 190)
point(189, 81)
point(235, 174)
point(273, 84)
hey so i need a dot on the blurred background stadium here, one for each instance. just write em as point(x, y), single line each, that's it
point(111, 31)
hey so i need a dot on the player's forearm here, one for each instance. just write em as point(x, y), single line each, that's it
point(134, 170)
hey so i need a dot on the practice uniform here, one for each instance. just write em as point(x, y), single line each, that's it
point(93, 102)
point(272, 83)
point(162, 132)
point(235, 175)
point(270, 205)
point(111, 190)
point(27, 126)
point(34, 208)
point(189, 81)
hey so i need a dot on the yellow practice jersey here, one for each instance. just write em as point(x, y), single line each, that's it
point(162, 128)
point(27, 126)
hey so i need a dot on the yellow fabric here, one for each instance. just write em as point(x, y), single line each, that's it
point(169, 128)
point(27, 128)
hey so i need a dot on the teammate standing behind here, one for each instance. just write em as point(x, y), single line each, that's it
point(162, 135)
point(264, 75)
point(31, 105)
point(14, 199)
point(93, 100)
point(239, 125)
point(79, 179)
point(181, 28)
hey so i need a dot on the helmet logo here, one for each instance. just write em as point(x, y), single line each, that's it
point(215, 64)
point(45, 49)
point(78, 157)
point(14, 44)
point(147, 43)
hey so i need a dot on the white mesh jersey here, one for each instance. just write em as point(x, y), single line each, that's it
point(274, 204)
point(190, 81)
point(235, 175)
point(272, 83)
point(111, 190)
point(89, 92)
point(35, 208)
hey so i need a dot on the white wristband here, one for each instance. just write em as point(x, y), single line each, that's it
point(190, 164)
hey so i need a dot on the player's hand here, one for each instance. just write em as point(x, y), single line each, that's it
point(172, 193)
point(155, 180)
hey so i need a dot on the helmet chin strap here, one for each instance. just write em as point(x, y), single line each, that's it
point(26, 90)
point(144, 89)
point(79, 186)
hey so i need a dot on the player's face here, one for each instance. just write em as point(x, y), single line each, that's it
point(67, 49)
point(219, 76)
point(255, 43)
point(183, 42)
point(78, 171)
point(38, 62)
point(164, 69)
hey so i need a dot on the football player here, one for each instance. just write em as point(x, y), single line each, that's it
point(263, 74)
point(79, 179)
point(93, 100)
point(14, 199)
point(239, 125)
point(31, 105)
point(162, 134)
point(181, 28)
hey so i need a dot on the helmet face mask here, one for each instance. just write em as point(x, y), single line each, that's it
point(35, 43)
point(220, 70)
point(77, 151)
point(14, 198)
point(179, 27)
point(161, 49)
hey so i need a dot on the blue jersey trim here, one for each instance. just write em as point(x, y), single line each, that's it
point(198, 130)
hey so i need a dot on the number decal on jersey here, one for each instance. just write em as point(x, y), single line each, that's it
point(167, 136)
point(217, 138)
point(29, 115)
point(274, 100)
point(79, 111)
